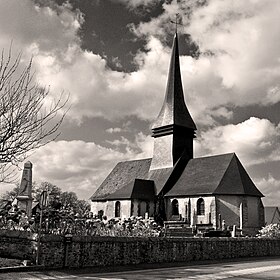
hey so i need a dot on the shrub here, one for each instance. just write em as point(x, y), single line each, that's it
point(271, 230)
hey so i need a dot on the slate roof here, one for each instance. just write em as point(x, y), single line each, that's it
point(213, 175)
point(221, 174)
point(138, 188)
point(122, 174)
point(174, 110)
point(160, 177)
point(272, 215)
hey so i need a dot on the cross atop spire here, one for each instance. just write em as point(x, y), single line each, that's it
point(176, 22)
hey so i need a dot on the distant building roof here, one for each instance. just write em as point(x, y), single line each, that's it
point(221, 174)
point(272, 215)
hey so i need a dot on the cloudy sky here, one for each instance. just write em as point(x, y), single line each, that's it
point(112, 56)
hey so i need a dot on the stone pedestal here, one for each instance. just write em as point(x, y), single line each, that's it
point(25, 203)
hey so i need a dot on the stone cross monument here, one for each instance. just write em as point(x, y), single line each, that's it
point(24, 198)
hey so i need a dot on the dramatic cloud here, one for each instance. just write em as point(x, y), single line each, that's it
point(45, 29)
point(239, 34)
point(96, 86)
point(240, 51)
point(254, 141)
point(50, 34)
point(237, 66)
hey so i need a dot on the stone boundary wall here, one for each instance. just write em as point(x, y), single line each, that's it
point(18, 244)
point(86, 251)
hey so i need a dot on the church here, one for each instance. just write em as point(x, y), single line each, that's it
point(173, 185)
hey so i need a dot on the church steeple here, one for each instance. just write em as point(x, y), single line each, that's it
point(174, 128)
point(174, 110)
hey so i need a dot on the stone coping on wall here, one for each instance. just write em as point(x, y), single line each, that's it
point(85, 238)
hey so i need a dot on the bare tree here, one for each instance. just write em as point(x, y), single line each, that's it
point(29, 117)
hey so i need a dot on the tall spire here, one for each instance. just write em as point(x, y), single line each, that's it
point(174, 128)
point(174, 110)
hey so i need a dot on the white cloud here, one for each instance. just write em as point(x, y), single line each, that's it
point(270, 187)
point(245, 69)
point(81, 166)
point(244, 38)
point(138, 3)
point(96, 87)
point(119, 142)
point(114, 130)
point(50, 30)
point(50, 34)
point(254, 141)
point(238, 33)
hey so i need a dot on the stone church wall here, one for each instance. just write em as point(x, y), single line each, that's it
point(244, 212)
point(229, 209)
point(98, 206)
point(125, 208)
point(190, 204)
point(254, 209)
point(108, 208)
point(87, 251)
point(140, 208)
point(202, 219)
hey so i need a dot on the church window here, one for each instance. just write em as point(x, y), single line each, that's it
point(200, 207)
point(132, 209)
point(100, 214)
point(117, 209)
point(175, 207)
point(148, 207)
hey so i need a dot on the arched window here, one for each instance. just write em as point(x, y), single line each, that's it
point(200, 207)
point(117, 209)
point(175, 207)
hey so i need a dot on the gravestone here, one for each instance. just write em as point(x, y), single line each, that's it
point(24, 198)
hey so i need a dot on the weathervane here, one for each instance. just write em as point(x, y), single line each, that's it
point(176, 22)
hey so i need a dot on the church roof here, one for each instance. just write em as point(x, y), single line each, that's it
point(221, 174)
point(138, 188)
point(213, 175)
point(122, 174)
point(174, 110)
point(160, 177)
